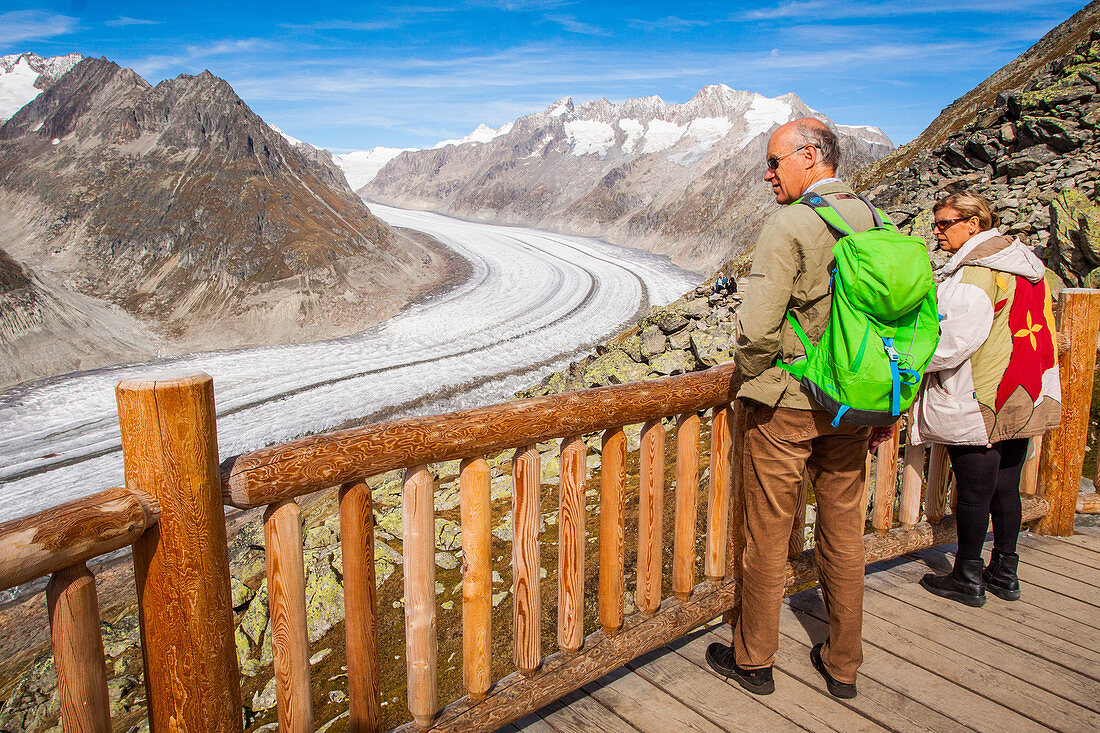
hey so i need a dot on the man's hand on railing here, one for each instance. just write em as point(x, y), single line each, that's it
point(879, 435)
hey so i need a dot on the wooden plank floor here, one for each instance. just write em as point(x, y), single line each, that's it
point(929, 664)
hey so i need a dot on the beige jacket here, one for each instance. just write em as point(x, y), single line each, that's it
point(791, 269)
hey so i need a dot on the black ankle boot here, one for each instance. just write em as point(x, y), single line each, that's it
point(757, 681)
point(963, 584)
point(1000, 576)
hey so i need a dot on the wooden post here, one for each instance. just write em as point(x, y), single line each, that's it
point(78, 650)
point(865, 500)
point(612, 529)
point(181, 566)
point(886, 474)
point(1064, 448)
point(718, 503)
point(796, 543)
point(1029, 474)
point(939, 473)
point(418, 524)
point(286, 592)
point(735, 552)
point(651, 517)
point(571, 545)
point(911, 482)
point(687, 497)
point(526, 595)
point(360, 608)
point(477, 577)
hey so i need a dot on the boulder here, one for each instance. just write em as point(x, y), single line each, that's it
point(632, 347)
point(711, 347)
point(448, 535)
point(1074, 236)
point(615, 367)
point(693, 309)
point(670, 322)
point(324, 598)
point(1025, 162)
point(653, 342)
point(672, 363)
point(681, 341)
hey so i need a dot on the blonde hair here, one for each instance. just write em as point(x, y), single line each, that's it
point(969, 205)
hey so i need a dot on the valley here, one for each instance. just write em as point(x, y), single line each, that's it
point(533, 302)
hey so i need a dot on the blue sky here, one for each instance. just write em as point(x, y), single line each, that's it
point(355, 75)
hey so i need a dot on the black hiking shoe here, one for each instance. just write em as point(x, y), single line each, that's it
point(963, 584)
point(843, 690)
point(1000, 578)
point(757, 681)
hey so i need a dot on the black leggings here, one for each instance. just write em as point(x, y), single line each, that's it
point(988, 484)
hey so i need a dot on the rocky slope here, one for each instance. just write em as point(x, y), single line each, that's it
point(36, 316)
point(1034, 152)
point(680, 179)
point(181, 207)
point(1055, 45)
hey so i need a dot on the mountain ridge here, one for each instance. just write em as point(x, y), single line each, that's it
point(677, 179)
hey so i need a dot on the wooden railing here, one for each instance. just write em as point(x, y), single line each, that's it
point(181, 566)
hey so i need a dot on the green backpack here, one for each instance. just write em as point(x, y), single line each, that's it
point(883, 325)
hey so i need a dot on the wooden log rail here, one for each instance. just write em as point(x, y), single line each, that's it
point(171, 509)
point(276, 477)
point(59, 542)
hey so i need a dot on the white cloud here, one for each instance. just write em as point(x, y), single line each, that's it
point(124, 20)
point(522, 6)
point(573, 25)
point(819, 10)
point(348, 25)
point(193, 56)
point(17, 26)
point(671, 23)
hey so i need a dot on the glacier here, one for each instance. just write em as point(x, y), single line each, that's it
point(536, 301)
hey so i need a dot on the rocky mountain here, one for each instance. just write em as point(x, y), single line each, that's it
point(23, 76)
point(678, 179)
point(177, 206)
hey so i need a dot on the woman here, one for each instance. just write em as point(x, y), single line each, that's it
point(992, 384)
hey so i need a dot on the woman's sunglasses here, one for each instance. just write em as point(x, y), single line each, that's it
point(943, 224)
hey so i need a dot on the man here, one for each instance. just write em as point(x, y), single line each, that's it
point(788, 433)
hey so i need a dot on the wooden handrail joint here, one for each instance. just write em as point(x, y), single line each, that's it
point(73, 533)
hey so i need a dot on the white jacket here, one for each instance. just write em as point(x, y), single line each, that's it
point(994, 374)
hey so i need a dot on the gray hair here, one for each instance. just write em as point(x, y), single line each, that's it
point(822, 138)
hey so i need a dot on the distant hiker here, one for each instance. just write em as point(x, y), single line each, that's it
point(992, 384)
point(788, 434)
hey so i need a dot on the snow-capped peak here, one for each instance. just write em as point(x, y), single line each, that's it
point(481, 134)
point(560, 107)
point(866, 133)
point(24, 75)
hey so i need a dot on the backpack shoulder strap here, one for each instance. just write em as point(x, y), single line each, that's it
point(881, 220)
point(827, 213)
point(833, 218)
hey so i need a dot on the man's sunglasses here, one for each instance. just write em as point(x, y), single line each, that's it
point(773, 161)
point(944, 224)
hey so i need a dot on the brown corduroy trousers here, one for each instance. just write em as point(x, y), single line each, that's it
point(780, 445)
